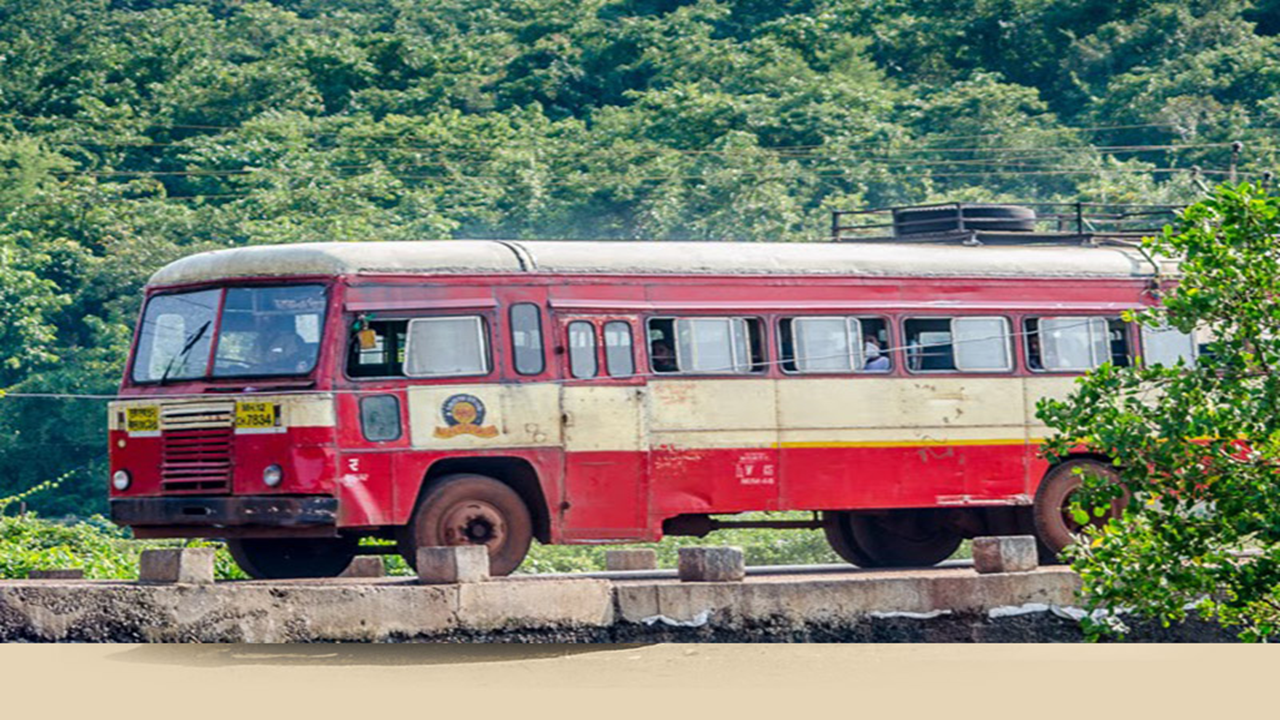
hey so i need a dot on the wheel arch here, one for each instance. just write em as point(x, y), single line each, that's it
point(1080, 455)
point(515, 472)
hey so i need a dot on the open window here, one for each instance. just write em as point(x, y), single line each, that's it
point(1075, 344)
point(834, 344)
point(706, 345)
point(385, 355)
point(963, 344)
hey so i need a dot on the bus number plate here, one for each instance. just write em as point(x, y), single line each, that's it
point(255, 415)
point(142, 420)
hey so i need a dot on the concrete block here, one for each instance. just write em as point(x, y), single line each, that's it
point(641, 559)
point(365, 566)
point(57, 574)
point(1005, 553)
point(582, 602)
point(712, 564)
point(176, 565)
point(453, 564)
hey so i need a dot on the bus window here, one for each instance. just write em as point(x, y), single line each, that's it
point(618, 359)
point(446, 346)
point(1075, 344)
point(967, 344)
point(1167, 345)
point(710, 345)
point(834, 344)
point(386, 357)
point(582, 349)
point(526, 339)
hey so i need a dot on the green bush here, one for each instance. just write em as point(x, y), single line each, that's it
point(102, 550)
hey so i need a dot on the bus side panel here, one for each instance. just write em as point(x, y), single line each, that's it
point(713, 445)
point(869, 442)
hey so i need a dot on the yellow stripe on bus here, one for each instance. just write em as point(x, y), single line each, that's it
point(906, 443)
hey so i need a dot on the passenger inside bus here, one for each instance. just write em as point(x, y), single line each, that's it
point(662, 356)
point(876, 360)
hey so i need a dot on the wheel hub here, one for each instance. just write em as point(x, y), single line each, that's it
point(474, 523)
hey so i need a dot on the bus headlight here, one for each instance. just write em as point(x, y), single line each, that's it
point(121, 480)
point(272, 475)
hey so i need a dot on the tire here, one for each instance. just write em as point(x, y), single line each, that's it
point(925, 221)
point(468, 509)
point(903, 538)
point(1055, 528)
point(287, 558)
point(835, 525)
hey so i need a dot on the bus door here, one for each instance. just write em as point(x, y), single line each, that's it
point(373, 424)
point(602, 401)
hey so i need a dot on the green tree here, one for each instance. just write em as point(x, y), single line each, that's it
point(1196, 445)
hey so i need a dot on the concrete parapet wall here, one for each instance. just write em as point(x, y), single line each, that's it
point(954, 604)
point(337, 611)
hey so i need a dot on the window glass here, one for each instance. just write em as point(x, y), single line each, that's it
point(175, 335)
point(380, 418)
point(526, 338)
point(1166, 345)
point(618, 358)
point(969, 344)
point(712, 345)
point(269, 331)
point(386, 357)
point(827, 344)
point(446, 346)
point(981, 344)
point(706, 345)
point(582, 349)
point(1075, 344)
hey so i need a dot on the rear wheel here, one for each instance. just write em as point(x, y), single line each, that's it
point(284, 558)
point(470, 509)
point(1055, 526)
point(835, 524)
point(903, 538)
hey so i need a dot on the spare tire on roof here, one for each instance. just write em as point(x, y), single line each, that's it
point(1002, 218)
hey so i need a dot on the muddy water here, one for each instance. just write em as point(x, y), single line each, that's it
point(462, 682)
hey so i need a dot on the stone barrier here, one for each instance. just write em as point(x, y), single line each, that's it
point(453, 564)
point(1005, 554)
point(641, 559)
point(712, 564)
point(176, 565)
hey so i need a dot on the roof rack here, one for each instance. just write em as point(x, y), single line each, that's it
point(999, 223)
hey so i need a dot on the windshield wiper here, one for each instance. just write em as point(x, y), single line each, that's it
point(191, 341)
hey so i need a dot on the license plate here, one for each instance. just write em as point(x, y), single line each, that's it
point(255, 415)
point(142, 419)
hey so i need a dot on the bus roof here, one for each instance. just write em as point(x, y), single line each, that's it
point(879, 259)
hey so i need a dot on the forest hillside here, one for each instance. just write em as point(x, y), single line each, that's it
point(135, 132)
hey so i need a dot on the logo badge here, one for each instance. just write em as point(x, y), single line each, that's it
point(464, 415)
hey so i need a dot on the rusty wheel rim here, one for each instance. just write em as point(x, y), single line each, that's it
point(474, 523)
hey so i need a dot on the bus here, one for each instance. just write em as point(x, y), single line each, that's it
point(296, 399)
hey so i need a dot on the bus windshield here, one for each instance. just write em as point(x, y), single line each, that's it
point(249, 331)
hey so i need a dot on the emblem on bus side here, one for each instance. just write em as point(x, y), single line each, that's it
point(464, 415)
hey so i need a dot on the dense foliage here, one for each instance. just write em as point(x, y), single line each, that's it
point(1197, 446)
point(136, 131)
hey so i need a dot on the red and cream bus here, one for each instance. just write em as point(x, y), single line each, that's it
point(294, 399)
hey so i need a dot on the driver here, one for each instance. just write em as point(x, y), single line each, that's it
point(281, 348)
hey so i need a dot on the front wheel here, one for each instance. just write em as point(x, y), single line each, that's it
point(288, 558)
point(467, 509)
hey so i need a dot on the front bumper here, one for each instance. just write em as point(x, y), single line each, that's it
point(264, 511)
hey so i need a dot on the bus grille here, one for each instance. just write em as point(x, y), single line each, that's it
point(196, 441)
